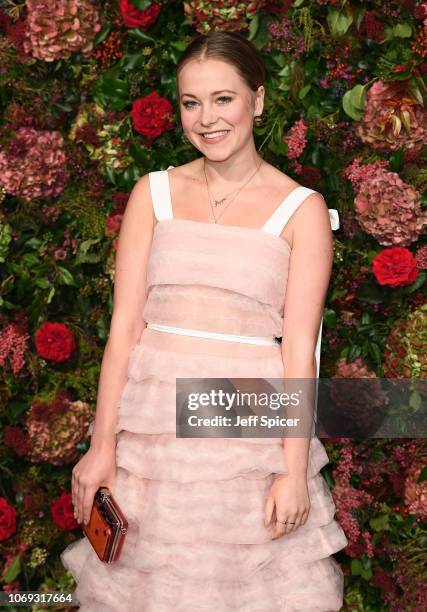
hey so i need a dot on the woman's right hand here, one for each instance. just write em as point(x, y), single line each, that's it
point(95, 469)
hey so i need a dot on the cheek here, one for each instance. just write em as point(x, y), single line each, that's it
point(235, 115)
point(188, 119)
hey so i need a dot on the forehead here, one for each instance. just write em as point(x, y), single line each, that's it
point(207, 76)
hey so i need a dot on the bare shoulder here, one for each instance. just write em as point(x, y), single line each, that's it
point(276, 178)
point(311, 215)
point(139, 207)
point(191, 171)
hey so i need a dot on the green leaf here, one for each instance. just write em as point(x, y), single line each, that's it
point(420, 280)
point(422, 475)
point(50, 295)
point(13, 570)
point(83, 256)
point(141, 5)
point(353, 102)
point(354, 352)
point(116, 87)
point(134, 60)
point(402, 30)
point(102, 35)
point(142, 36)
point(179, 45)
point(330, 318)
point(396, 159)
point(380, 523)
point(15, 409)
point(43, 283)
point(356, 567)
point(370, 293)
point(338, 22)
point(253, 27)
point(65, 276)
point(30, 259)
point(375, 351)
point(361, 568)
point(304, 91)
point(415, 400)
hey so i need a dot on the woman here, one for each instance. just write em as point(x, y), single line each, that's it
point(211, 255)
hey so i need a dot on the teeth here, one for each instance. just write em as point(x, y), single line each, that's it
point(215, 134)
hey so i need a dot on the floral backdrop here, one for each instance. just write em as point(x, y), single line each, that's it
point(88, 105)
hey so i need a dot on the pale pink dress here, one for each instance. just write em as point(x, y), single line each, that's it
point(196, 539)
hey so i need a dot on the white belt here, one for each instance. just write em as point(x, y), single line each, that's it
point(265, 340)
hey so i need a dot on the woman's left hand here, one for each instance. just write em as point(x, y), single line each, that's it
point(289, 498)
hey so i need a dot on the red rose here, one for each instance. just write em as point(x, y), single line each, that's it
point(133, 18)
point(62, 512)
point(55, 342)
point(113, 225)
point(7, 519)
point(395, 267)
point(17, 439)
point(152, 115)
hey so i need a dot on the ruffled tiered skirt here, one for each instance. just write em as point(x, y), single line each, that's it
point(196, 540)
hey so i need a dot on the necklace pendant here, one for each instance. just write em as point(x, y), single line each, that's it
point(219, 202)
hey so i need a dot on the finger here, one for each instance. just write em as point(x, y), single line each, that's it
point(280, 526)
point(304, 517)
point(280, 529)
point(293, 523)
point(88, 503)
point(80, 493)
point(74, 492)
point(269, 507)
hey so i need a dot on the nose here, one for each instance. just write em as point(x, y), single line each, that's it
point(207, 116)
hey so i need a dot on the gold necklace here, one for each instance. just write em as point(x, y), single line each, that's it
point(232, 199)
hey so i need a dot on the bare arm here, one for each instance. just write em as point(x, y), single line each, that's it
point(309, 273)
point(127, 323)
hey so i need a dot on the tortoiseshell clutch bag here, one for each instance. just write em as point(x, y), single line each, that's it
point(107, 526)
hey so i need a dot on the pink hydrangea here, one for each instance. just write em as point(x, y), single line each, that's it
point(57, 28)
point(33, 164)
point(416, 493)
point(358, 173)
point(54, 439)
point(233, 15)
point(389, 209)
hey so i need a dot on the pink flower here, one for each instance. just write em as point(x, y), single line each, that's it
point(296, 139)
point(33, 165)
point(13, 345)
point(389, 209)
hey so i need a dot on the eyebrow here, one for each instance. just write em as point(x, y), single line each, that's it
point(213, 93)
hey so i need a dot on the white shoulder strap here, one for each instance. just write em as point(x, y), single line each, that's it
point(286, 209)
point(276, 223)
point(160, 194)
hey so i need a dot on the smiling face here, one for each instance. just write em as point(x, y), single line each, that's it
point(214, 98)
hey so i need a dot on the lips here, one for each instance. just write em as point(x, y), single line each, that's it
point(214, 136)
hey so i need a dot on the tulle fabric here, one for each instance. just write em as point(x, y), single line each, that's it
point(195, 506)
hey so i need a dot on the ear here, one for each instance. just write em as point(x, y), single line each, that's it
point(259, 100)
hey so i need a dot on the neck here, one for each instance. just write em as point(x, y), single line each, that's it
point(233, 170)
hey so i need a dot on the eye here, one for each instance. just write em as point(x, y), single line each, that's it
point(225, 100)
point(186, 104)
